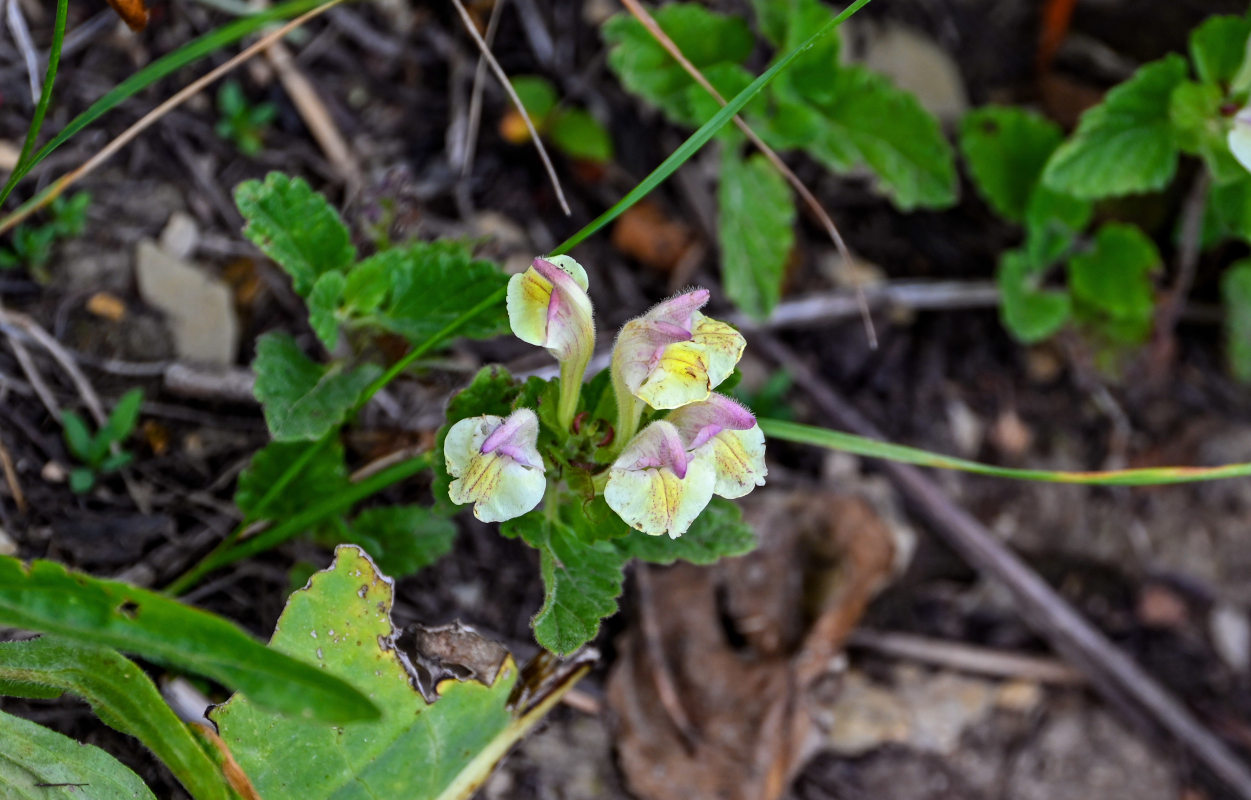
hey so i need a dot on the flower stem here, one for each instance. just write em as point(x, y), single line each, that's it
point(571, 373)
point(629, 408)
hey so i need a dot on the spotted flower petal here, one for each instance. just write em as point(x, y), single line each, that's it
point(728, 431)
point(656, 486)
point(495, 464)
point(548, 306)
point(674, 355)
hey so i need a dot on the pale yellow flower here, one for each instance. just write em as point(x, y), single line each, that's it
point(731, 434)
point(674, 355)
point(656, 486)
point(496, 464)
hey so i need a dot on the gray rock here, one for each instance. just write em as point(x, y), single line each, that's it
point(197, 306)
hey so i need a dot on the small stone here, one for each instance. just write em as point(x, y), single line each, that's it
point(107, 306)
point(1161, 607)
point(8, 547)
point(53, 472)
point(866, 717)
point(1011, 435)
point(1019, 696)
point(197, 306)
point(1231, 635)
point(967, 429)
point(181, 235)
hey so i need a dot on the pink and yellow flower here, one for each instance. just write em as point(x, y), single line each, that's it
point(496, 464)
point(729, 431)
point(658, 487)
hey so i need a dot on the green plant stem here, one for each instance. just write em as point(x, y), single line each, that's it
point(295, 525)
point(860, 445)
point(572, 371)
point(45, 97)
point(629, 408)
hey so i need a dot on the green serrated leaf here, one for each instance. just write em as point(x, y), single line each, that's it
point(1126, 144)
point(646, 69)
point(296, 227)
point(537, 94)
point(40, 764)
point(323, 307)
point(1195, 110)
point(1236, 294)
point(787, 24)
point(1229, 210)
point(402, 539)
point(719, 532)
point(433, 284)
point(416, 750)
point(1052, 223)
point(43, 596)
point(492, 391)
point(579, 135)
point(756, 231)
point(1218, 47)
point(1006, 149)
point(325, 475)
point(1111, 283)
point(1029, 312)
point(871, 122)
point(123, 697)
point(581, 581)
point(303, 400)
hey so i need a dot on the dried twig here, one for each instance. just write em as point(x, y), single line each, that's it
point(67, 180)
point(521, 109)
point(965, 657)
point(10, 477)
point(641, 14)
point(662, 675)
point(25, 46)
point(475, 97)
point(1109, 669)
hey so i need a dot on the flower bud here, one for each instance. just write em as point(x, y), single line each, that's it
point(496, 464)
point(673, 354)
point(548, 306)
point(730, 433)
point(656, 486)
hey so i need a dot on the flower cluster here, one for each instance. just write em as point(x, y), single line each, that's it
point(668, 360)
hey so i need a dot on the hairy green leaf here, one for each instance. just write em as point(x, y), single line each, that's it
point(434, 283)
point(581, 579)
point(1218, 47)
point(325, 475)
point(756, 231)
point(1111, 283)
point(323, 305)
point(1006, 149)
point(719, 532)
point(296, 227)
point(416, 749)
point(1236, 293)
point(1126, 144)
point(1052, 223)
point(122, 696)
point(644, 67)
point(402, 539)
point(43, 596)
point(872, 123)
point(304, 400)
point(1028, 311)
point(787, 24)
point(39, 764)
point(1201, 128)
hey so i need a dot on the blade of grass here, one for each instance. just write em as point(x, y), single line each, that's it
point(293, 526)
point(873, 448)
point(204, 46)
point(45, 97)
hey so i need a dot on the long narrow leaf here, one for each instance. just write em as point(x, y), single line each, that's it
point(122, 696)
point(43, 596)
point(861, 446)
point(45, 96)
point(193, 51)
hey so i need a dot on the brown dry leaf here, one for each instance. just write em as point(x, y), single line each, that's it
point(107, 306)
point(157, 436)
point(646, 234)
point(133, 12)
point(749, 717)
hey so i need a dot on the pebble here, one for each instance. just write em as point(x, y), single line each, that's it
point(198, 307)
